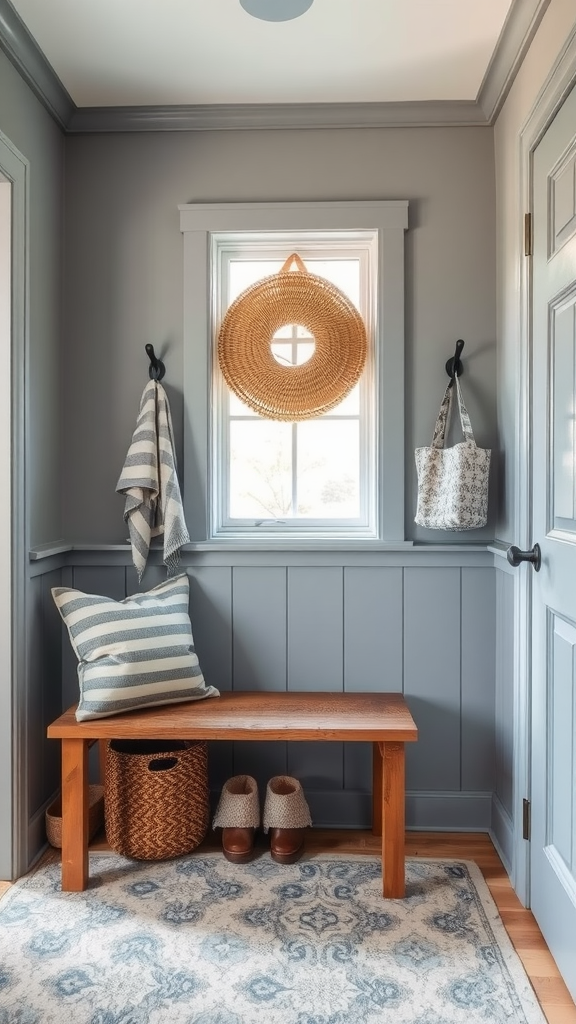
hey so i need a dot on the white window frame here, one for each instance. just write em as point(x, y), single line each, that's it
point(201, 224)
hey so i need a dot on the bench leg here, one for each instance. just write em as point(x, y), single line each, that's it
point(74, 815)
point(393, 820)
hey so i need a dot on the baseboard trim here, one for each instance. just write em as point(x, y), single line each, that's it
point(502, 834)
point(425, 812)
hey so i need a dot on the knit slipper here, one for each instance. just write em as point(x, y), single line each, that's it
point(238, 815)
point(286, 814)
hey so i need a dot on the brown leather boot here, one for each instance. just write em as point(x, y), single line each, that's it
point(238, 844)
point(238, 815)
point(286, 844)
point(286, 815)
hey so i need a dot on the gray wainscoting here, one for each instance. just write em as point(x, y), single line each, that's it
point(425, 630)
point(43, 700)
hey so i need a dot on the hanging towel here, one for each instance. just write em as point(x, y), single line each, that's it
point(149, 482)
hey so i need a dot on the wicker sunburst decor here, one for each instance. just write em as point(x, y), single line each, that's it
point(292, 392)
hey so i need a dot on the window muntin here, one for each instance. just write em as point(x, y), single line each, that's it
point(316, 477)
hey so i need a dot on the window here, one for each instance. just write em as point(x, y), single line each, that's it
point(335, 479)
point(315, 477)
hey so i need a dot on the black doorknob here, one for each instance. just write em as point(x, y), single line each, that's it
point(515, 556)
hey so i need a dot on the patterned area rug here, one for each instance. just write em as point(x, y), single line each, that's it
point(200, 941)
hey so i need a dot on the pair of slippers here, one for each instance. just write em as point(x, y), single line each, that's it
point(286, 815)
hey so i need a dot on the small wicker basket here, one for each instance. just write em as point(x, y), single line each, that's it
point(95, 816)
point(157, 797)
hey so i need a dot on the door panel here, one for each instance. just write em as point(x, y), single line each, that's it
point(564, 435)
point(563, 201)
point(553, 768)
point(561, 743)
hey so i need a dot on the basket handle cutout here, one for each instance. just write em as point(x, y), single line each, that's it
point(294, 258)
point(162, 764)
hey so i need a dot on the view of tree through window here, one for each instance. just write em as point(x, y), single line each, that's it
point(310, 470)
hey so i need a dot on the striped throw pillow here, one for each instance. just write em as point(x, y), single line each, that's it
point(134, 653)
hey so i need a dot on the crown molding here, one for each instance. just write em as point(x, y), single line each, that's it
point(517, 33)
point(241, 116)
point(28, 59)
point(521, 24)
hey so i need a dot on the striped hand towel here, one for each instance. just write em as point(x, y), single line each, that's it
point(149, 482)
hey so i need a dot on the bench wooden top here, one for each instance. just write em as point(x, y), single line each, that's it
point(257, 716)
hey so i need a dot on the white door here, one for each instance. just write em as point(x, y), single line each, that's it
point(553, 768)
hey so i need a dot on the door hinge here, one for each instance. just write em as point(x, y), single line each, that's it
point(527, 234)
point(526, 819)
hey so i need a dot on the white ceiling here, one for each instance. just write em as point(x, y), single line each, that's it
point(148, 52)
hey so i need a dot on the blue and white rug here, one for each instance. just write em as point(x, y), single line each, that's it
point(198, 940)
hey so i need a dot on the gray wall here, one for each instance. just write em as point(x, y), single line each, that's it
point(33, 132)
point(123, 276)
point(123, 288)
point(27, 126)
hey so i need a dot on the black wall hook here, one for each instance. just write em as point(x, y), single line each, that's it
point(454, 366)
point(157, 368)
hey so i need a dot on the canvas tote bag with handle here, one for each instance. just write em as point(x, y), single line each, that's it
point(452, 482)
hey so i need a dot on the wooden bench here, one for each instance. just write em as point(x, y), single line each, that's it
point(382, 719)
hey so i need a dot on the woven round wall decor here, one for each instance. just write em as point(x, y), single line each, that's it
point(292, 392)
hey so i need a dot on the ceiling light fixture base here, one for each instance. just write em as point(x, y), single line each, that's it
point(276, 10)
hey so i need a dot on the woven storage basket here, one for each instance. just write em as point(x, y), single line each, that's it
point(156, 803)
point(292, 392)
point(95, 816)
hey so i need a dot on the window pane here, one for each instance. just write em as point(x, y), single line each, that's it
point(350, 406)
point(260, 469)
point(292, 353)
point(243, 273)
point(345, 274)
point(328, 469)
point(238, 407)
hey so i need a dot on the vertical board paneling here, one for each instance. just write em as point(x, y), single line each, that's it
point(259, 617)
point(153, 576)
point(35, 732)
point(211, 616)
point(504, 703)
point(261, 760)
point(315, 628)
point(358, 766)
point(319, 628)
point(52, 679)
point(106, 580)
point(478, 679)
point(69, 659)
point(318, 766)
point(373, 628)
point(432, 676)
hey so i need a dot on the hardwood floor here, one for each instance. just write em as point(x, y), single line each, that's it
point(526, 937)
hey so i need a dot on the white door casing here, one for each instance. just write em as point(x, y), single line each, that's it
point(553, 758)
